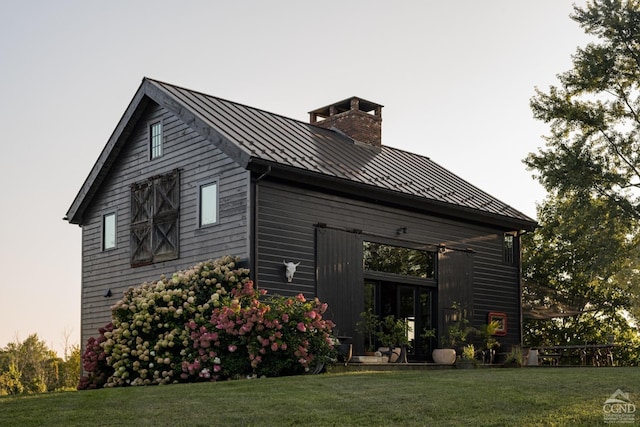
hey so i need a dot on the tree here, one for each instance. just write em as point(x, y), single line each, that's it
point(71, 364)
point(10, 381)
point(37, 365)
point(581, 266)
point(31, 367)
point(594, 147)
point(580, 272)
point(70, 368)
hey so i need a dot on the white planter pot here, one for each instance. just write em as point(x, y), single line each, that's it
point(444, 356)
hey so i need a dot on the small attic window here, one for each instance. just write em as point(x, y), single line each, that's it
point(155, 139)
point(508, 249)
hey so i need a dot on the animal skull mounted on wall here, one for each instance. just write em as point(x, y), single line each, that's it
point(290, 269)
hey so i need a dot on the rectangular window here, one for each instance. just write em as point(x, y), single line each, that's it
point(108, 231)
point(508, 249)
point(398, 260)
point(155, 133)
point(155, 215)
point(209, 203)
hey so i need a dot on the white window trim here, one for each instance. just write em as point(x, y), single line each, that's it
point(205, 183)
point(509, 251)
point(150, 138)
point(103, 231)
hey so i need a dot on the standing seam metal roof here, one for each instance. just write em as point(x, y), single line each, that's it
point(285, 141)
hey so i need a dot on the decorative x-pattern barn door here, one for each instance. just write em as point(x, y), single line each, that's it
point(155, 213)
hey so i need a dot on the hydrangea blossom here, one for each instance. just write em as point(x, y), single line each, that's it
point(208, 323)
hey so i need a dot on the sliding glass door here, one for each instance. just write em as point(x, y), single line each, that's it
point(413, 303)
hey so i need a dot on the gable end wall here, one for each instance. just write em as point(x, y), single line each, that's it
point(198, 160)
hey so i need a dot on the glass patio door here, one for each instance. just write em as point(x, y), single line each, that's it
point(412, 303)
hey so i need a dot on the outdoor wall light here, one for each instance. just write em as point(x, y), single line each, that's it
point(108, 293)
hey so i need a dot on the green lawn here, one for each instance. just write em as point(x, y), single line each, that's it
point(504, 397)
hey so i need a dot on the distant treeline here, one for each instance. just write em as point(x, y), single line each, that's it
point(31, 367)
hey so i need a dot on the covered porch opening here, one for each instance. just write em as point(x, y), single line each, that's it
point(358, 271)
point(412, 303)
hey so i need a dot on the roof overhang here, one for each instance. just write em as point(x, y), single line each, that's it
point(396, 198)
point(108, 155)
point(149, 91)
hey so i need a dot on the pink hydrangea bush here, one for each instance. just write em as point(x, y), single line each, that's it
point(209, 323)
point(296, 337)
point(273, 337)
point(94, 362)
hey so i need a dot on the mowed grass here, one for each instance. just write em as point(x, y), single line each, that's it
point(477, 397)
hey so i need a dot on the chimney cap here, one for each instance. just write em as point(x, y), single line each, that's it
point(347, 105)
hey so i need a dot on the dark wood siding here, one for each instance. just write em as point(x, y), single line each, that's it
point(285, 223)
point(197, 160)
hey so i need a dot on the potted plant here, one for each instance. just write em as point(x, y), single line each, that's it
point(368, 326)
point(491, 344)
point(395, 335)
point(455, 336)
point(468, 359)
point(514, 358)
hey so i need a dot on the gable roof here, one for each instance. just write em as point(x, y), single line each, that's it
point(258, 139)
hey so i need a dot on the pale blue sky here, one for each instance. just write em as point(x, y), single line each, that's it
point(455, 78)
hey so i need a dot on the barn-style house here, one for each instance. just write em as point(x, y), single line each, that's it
point(186, 177)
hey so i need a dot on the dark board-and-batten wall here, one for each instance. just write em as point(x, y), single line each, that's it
point(287, 227)
point(197, 161)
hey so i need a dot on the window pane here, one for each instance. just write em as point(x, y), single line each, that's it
point(208, 204)
point(398, 260)
point(156, 140)
point(508, 249)
point(109, 231)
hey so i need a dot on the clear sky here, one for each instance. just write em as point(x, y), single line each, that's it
point(455, 78)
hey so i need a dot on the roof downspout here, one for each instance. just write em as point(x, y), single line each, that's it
point(520, 282)
point(254, 227)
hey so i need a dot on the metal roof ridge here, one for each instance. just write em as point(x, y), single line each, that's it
point(233, 102)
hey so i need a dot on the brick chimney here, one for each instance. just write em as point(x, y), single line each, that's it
point(359, 119)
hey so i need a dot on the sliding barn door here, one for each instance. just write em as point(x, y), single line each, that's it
point(455, 285)
point(339, 274)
